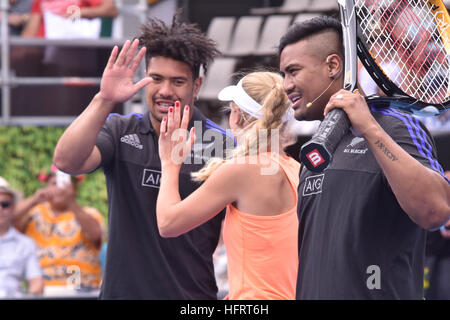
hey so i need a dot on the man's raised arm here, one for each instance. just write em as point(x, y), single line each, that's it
point(76, 151)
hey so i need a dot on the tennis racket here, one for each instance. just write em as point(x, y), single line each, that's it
point(405, 46)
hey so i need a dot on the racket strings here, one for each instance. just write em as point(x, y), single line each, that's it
point(415, 87)
point(405, 40)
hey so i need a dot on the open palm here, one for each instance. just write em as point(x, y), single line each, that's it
point(174, 143)
point(117, 84)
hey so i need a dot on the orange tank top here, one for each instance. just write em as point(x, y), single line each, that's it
point(262, 251)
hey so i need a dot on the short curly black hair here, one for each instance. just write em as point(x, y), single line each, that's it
point(180, 41)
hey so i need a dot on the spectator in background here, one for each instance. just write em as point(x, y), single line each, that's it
point(54, 61)
point(18, 15)
point(68, 235)
point(68, 61)
point(88, 9)
point(18, 258)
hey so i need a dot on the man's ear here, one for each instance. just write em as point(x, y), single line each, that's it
point(335, 65)
point(197, 85)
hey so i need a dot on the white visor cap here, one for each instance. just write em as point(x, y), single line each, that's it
point(238, 95)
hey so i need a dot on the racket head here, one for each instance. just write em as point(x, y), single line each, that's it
point(404, 45)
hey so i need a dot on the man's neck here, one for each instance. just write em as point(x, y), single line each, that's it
point(155, 124)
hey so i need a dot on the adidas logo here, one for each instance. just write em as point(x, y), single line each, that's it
point(133, 140)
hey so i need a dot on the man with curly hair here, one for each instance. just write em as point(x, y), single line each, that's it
point(139, 263)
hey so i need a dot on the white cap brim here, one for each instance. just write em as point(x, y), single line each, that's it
point(238, 95)
point(227, 93)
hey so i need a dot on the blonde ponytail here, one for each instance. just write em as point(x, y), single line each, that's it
point(266, 88)
point(207, 170)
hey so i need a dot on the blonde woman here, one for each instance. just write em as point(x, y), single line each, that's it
point(257, 183)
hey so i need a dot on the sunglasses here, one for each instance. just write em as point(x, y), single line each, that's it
point(5, 204)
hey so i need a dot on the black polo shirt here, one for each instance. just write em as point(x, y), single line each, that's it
point(139, 263)
point(355, 241)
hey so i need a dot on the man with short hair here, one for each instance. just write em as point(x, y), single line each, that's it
point(362, 220)
point(139, 263)
point(18, 256)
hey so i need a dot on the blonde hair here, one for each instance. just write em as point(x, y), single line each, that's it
point(266, 88)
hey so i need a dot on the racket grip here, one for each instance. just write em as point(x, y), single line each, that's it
point(317, 153)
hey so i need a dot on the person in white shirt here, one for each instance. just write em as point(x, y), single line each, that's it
point(18, 258)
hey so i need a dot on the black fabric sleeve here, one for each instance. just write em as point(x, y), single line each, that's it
point(105, 143)
point(412, 135)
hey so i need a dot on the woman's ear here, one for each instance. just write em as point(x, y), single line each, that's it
point(236, 116)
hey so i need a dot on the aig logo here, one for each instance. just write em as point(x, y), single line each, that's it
point(313, 185)
point(151, 178)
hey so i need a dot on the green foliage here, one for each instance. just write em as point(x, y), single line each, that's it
point(27, 151)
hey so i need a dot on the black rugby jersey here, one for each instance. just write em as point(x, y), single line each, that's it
point(355, 241)
point(140, 264)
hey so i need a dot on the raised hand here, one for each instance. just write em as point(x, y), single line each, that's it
point(174, 145)
point(117, 84)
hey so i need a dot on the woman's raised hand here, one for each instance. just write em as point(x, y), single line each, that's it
point(174, 143)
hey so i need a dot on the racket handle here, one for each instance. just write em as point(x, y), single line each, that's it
point(317, 153)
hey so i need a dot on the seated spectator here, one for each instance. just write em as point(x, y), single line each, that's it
point(18, 257)
point(88, 9)
point(69, 60)
point(52, 61)
point(18, 15)
point(68, 235)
